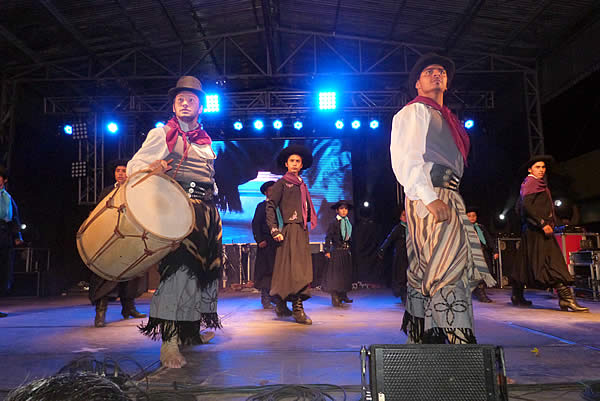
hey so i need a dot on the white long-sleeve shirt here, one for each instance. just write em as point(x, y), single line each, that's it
point(421, 138)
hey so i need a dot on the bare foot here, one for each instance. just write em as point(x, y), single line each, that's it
point(207, 336)
point(170, 356)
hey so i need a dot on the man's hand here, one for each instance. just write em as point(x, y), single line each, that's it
point(548, 230)
point(278, 237)
point(439, 210)
point(328, 255)
point(160, 166)
point(262, 244)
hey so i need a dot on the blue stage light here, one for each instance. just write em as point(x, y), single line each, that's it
point(159, 124)
point(277, 124)
point(298, 125)
point(469, 124)
point(356, 124)
point(327, 100)
point(374, 124)
point(238, 125)
point(68, 129)
point(339, 124)
point(259, 124)
point(212, 104)
point(112, 127)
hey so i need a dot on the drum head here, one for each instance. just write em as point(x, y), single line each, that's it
point(159, 205)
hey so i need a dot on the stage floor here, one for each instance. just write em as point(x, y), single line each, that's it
point(542, 344)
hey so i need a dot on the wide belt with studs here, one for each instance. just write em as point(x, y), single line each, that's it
point(198, 190)
point(444, 177)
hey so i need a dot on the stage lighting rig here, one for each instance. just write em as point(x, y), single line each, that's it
point(238, 126)
point(469, 124)
point(79, 130)
point(259, 125)
point(298, 125)
point(355, 124)
point(112, 127)
point(374, 124)
point(212, 104)
point(327, 101)
point(277, 124)
point(339, 124)
point(78, 169)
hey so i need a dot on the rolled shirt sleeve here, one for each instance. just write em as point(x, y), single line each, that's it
point(407, 147)
point(154, 148)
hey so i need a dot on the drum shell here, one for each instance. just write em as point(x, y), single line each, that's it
point(115, 246)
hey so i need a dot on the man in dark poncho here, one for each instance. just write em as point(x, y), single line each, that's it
point(542, 263)
point(292, 273)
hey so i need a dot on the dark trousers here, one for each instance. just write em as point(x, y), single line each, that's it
point(7, 257)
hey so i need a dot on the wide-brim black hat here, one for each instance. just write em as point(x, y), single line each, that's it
point(423, 62)
point(547, 159)
point(188, 83)
point(113, 164)
point(471, 208)
point(342, 202)
point(265, 186)
point(299, 150)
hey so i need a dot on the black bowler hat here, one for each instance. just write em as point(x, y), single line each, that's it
point(188, 83)
point(341, 203)
point(265, 186)
point(113, 164)
point(547, 159)
point(470, 209)
point(299, 150)
point(423, 62)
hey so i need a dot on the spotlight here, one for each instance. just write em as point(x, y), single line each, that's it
point(374, 124)
point(212, 104)
point(259, 124)
point(23, 226)
point(112, 127)
point(277, 124)
point(501, 216)
point(558, 203)
point(327, 100)
point(238, 125)
point(159, 124)
point(339, 124)
point(80, 130)
point(78, 169)
point(356, 124)
point(469, 124)
point(68, 129)
point(298, 125)
point(366, 204)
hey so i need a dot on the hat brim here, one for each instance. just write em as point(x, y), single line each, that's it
point(299, 150)
point(547, 159)
point(265, 186)
point(423, 62)
point(174, 91)
point(337, 205)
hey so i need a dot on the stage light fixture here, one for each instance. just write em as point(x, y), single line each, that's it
point(68, 129)
point(78, 169)
point(327, 101)
point(159, 124)
point(23, 226)
point(366, 204)
point(298, 125)
point(469, 124)
point(238, 125)
point(356, 124)
point(339, 124)
point(374, 124)
point(277, 124)
point(112, 127)
point(501, 216)
point(259, 125)
point(80, 130)
point(212, 104)
point(558, 203)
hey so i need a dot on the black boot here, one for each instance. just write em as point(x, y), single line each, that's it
point(101, 306)
point(344, 298)
point(2, 314)
point(281, 308)
point(298, 313)
point(566, 299)
point(335, 300)
point(480, 295)
point(517, 298)
point(265, 299)
point(129, 309)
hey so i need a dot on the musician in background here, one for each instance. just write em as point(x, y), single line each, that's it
point(489, 249)
point(102, 290)
point(186, 298)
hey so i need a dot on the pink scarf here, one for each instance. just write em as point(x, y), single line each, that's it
point(197, 135)
point(294, 179)
point(460, 136)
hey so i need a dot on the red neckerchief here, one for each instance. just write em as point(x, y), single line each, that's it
point(197, 135)
point(294, 179)
point(460, 136)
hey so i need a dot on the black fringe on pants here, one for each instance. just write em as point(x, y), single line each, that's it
point(188, 333)
point(414, 328)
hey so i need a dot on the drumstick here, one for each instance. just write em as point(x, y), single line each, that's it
point(150, 174)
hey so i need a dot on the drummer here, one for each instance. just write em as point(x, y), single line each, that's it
point(186, 298)
point(102, 290)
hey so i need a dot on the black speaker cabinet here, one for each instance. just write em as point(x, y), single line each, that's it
point(437, 373)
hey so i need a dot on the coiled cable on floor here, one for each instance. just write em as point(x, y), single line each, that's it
point(301, 392)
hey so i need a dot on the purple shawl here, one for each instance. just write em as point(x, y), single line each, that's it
point(294, 179)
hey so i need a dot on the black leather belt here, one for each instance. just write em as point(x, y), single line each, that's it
point(343, 245)
point(444, 177)
point(197, 190)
